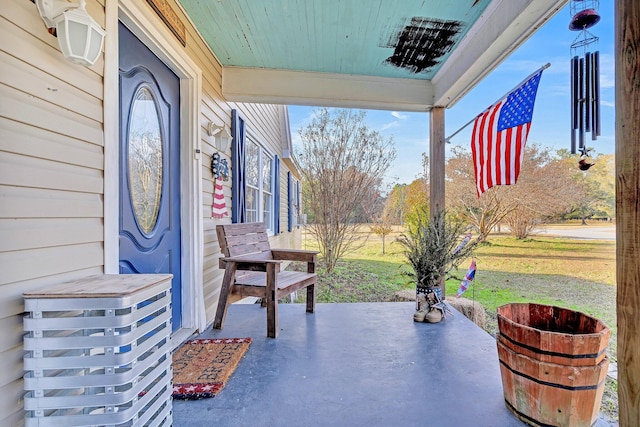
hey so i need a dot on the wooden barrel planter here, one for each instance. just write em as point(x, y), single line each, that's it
point(553, 364)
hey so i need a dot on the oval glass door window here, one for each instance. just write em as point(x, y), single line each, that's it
point(145, 159)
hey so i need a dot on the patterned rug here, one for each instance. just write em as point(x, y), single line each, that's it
point(202, 367)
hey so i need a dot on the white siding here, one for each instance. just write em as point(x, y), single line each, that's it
point(52, 172)
point(51, 177)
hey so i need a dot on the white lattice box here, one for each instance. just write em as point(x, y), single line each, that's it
point(99, 352)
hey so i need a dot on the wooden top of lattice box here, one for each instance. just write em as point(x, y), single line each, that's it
point(101, 286)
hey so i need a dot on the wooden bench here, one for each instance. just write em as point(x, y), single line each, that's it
point(252, 268)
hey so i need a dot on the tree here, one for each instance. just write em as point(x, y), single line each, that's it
point(417, 202)
point(595, 188)
point(382, 229)
point(383, 224)
point(396, 203)
point(410, 202)
point(342, 163)
point(483, 213)
point(545, 187)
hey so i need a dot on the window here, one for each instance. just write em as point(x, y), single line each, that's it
point(295, 200)
point(259, 185)
point(298, 203)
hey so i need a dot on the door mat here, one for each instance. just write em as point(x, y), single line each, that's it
point(202, 367)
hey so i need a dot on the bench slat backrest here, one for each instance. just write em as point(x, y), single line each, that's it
point(249, 239)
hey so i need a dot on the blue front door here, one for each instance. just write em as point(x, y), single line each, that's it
point(149, 237)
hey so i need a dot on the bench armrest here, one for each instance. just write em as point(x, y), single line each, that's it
point(250, 264)
point(295, 255)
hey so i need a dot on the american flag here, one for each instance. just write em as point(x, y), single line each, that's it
point(500, 134)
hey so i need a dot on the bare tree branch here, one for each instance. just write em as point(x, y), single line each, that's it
point(343, 163)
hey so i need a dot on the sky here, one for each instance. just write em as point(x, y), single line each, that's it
point(551, 116)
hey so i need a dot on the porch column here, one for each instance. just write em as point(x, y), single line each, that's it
point(627, 63)
point(436, 160)
point(436, 168)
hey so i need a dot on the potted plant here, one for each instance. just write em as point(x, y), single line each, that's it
point(433, 247)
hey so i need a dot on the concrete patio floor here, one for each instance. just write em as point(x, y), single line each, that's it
point(365, 364)
point(355, 365)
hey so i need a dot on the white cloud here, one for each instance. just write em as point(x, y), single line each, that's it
point(389, 126)
point(607, 71)
point(399, 115)
point(559, 65)
point(563, 90)
point(562, 66)
point(608, 104)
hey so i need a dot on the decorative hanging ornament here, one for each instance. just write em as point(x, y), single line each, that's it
point(220, 171)
point(219, 167)
point(219, 208)
point(585, 75)
point(584, 19)
point(586, 161)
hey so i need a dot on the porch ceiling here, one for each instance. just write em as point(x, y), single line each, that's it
point(406, 55)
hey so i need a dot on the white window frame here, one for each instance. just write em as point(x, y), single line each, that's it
point(295, 202)
point(298, 203)
point(263, 155)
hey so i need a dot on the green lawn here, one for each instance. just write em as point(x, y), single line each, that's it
point(577, 274)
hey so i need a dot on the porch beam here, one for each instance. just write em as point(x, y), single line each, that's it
point(627, 65)
point(240, 84)
point(436, 167)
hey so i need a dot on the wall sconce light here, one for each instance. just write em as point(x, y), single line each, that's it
point(79, 35)
point(223, 137)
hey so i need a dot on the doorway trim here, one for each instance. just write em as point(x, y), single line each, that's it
point(143, 22)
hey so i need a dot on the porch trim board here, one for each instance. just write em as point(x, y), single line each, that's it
point(288, 87)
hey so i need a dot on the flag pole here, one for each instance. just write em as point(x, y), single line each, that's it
point(473, 302)
point(448, 139)
point(544, 67)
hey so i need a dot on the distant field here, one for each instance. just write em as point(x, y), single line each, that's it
point(574, 273)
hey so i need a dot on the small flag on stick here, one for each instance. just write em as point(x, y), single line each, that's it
point(500, 134)
point(463, 243)
point(468, 278)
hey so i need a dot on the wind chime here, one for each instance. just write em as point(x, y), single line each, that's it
point(585, 79)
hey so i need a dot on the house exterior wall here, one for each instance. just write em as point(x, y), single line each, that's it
point(51, 177)
point(52, 171)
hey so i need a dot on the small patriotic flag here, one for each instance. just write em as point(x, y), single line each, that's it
point(500, 134)
point(468, 278)
point(219, 208)
point(462, 244)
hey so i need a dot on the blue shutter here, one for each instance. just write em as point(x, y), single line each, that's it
point(290, 201)
point(276, 196)
point(238, 207)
